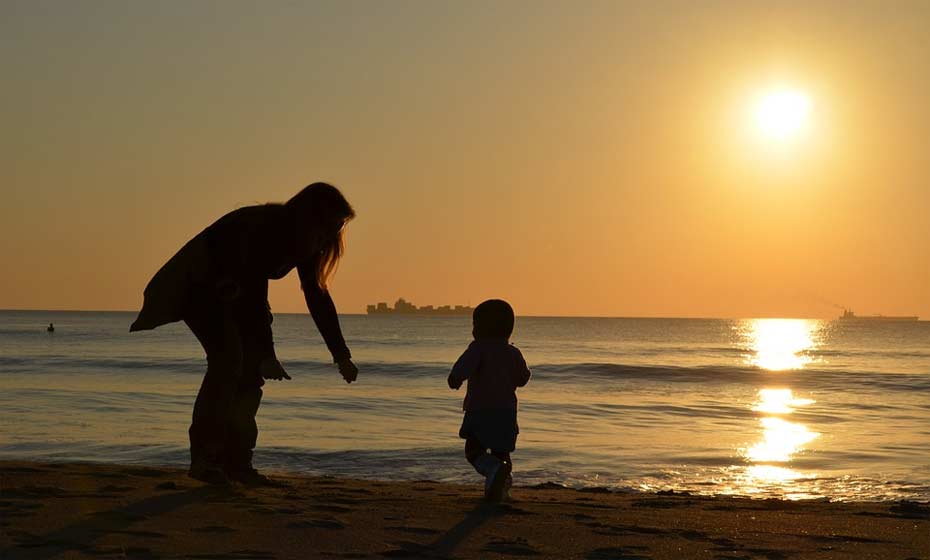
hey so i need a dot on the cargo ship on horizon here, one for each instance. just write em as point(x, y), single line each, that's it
point(404, 307)
point(848, 315)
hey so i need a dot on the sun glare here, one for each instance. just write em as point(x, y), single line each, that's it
point(782, 114)
point(780, 344)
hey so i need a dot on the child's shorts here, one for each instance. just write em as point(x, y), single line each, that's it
point(496, 429)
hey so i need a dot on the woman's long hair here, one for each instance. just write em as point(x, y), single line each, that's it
point(322, 212)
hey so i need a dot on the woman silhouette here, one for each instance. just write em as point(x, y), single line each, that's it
point(218, 285)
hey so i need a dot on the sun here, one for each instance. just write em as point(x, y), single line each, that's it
point(781, 114)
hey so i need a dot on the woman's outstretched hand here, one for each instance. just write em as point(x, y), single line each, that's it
point(348, 370)
point(270, 368)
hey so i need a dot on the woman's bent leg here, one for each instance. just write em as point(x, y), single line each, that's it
point(242, 432)
point(254, 321)
point(213, 326)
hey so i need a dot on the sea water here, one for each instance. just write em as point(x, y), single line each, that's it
point(787, 408)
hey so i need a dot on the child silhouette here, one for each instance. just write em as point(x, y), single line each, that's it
point(494, 369)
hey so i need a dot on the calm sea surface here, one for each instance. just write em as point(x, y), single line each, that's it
point(759, 407)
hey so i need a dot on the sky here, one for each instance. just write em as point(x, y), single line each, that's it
point(575, 158)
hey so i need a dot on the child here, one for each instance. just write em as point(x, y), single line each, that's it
point(494, 369)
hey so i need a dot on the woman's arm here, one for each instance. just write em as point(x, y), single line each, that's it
point(323, 311)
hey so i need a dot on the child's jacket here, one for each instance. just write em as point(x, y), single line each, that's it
point(494, 369)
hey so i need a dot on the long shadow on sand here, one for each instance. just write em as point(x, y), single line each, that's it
point(82, 535)
point(445, 545)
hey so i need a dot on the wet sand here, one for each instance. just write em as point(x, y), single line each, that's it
point(57, 510)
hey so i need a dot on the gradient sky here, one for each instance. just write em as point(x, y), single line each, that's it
point(592, 158)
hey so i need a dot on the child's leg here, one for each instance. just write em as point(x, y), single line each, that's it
point(485, 463)
point(498, 482)
point(477, 455)
point(494, 466)
point(504, 457)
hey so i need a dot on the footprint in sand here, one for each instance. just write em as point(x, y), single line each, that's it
point(414, 530)
point(139, 534)
point(330, 508)
point(135, 552)
point(235, 555)
point(692, 535)
point(614, 553)
point(407, 549)
point(259, 510)
point(288, 511)
point(213, 529)
point(339, 499)
point(108, 475)
point(515, 547)
point(618, 530)
point(315, 524)
point(358, 491)
point(111, 488)
point(119, 516)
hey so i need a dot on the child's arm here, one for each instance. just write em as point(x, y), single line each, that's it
point(464, 367)
point(521, 372)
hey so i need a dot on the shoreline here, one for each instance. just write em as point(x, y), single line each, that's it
point(473, 480)
point(92, 510)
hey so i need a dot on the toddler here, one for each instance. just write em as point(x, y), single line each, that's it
point(494, 369)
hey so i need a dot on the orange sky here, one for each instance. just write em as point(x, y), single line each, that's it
point(575, 159)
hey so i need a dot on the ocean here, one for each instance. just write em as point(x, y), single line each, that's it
point(768, 408)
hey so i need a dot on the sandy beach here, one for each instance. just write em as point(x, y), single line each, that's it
point(58, 510)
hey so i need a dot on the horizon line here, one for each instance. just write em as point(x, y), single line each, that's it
point(362, 314)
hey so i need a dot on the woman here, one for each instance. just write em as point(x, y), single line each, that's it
point(218, 285)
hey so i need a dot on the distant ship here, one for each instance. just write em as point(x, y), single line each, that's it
point(850, 316)
point(404, 307)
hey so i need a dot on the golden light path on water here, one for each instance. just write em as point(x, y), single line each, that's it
point(778, 345)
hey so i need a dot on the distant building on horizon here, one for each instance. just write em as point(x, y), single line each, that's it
point(404, 307)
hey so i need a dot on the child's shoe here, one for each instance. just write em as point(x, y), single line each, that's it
point(505, 495)
point(496, 481)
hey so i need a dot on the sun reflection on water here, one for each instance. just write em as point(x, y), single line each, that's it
point(778, 345)
point(780, 441)
point(779, 401)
